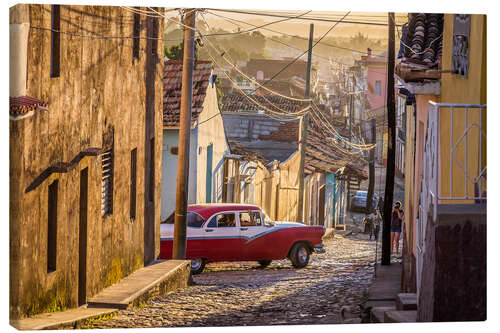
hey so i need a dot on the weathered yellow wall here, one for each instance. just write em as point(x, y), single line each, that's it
point(289, 189)
point(467, 90)
point(409, 178)
point(100, 87)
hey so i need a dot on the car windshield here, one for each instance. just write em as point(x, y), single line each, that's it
point(267, 220)
point(193, 220)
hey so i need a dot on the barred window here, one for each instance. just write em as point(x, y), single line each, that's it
point(107, 182)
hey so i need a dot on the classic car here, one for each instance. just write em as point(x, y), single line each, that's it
point(358, 201)
point(240, 232)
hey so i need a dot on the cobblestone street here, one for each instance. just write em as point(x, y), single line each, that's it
point(238, 294)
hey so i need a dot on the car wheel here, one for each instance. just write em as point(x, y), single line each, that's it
point(197, 265)
point(264, 263)
point(299, 255)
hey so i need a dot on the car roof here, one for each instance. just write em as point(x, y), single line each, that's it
point(207, 210)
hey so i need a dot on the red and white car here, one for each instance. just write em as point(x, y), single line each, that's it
point(240, 232)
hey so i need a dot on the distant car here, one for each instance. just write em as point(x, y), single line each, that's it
point(358, 201)
point(240, 232)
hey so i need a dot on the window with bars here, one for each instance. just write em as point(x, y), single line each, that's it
point(107, 182)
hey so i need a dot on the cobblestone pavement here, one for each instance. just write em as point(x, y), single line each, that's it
point(241, 293)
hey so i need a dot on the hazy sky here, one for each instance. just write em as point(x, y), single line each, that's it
point(301, 26)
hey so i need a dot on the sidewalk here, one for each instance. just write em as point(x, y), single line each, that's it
point(384, 290)
point(159, 278)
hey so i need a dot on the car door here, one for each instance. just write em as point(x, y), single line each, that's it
point(252, 229)
point(195, 245)
point(221, 237)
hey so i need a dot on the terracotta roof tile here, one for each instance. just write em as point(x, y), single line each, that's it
point(238, 102)
point(24, 104)
point(172, 84)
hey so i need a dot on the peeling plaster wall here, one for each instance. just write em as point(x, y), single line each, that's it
point(100, 87)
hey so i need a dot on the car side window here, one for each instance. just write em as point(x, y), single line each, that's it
point(225, 220)
point(257, 218)
point(246, 220)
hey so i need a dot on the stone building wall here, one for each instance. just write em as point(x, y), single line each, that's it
point(101, 92)
point(453, 285)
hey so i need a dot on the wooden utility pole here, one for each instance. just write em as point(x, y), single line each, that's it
point(304, 121)
point(391, 141)
point(371, 167)
point(181, 198)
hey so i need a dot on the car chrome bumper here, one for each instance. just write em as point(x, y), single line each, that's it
point(319, 248)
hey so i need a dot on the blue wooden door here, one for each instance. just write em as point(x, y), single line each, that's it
point(208, 184)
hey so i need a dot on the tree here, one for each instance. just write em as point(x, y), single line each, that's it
point(176, 52)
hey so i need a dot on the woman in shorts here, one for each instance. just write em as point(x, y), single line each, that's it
point(396, 221)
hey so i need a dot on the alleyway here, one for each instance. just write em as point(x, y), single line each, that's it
point(239, 294)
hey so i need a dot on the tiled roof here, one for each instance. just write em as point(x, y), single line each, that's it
point(421, 47)
point(23, 104)
point(323, 155)
point(172, 84)
point(238, 102)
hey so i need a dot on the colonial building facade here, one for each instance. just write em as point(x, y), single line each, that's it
point(85, 141)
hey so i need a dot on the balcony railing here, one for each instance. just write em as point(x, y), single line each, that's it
point(458, 157)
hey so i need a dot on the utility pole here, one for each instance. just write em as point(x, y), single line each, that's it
point(304, 121)
point(391, 140)
point(181, 198)
point(371, 167)
point(350, 83)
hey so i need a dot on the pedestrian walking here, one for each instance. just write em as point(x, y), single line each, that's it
point(375, 228)
point(396, 221)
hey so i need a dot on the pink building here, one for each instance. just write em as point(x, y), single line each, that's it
point(375, 75)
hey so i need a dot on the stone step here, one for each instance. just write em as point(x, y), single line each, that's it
point(400, 316)
point(68, 319)
point(377, 313)
point(406, 302)
point(157, 279)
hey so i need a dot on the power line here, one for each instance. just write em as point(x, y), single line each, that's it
point(290, 35)
point(252, 80)
point(312, 19)
point(297, 58)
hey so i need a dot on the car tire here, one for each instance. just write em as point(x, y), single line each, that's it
point(197, 265)
point(299, 255)
point(264, 263)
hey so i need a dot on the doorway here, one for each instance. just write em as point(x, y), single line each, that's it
point(82, 243)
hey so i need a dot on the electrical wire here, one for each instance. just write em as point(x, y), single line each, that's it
point(316, 43)
point(294, 115)
point(309, 19)
point(290, 35)
point(251, 79)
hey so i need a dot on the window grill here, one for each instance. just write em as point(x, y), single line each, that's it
point(107, 182)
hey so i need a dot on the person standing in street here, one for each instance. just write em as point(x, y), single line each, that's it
point(396, 221)
point(375, 228)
